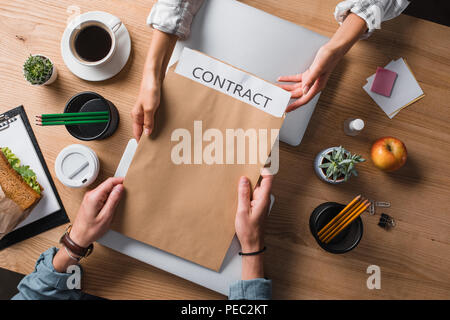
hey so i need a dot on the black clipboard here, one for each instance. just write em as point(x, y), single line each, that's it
point(48, 222)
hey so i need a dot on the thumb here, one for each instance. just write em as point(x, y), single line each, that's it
point(243, 195)
point(148, 122)
point(111, 203)
point(309, 78)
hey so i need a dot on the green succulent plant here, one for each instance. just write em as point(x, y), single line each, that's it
point(340, 163)
point(37, 69)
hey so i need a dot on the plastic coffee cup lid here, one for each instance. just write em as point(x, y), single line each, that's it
point(77, 166)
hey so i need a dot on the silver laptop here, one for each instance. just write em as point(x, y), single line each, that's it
point(259, 43)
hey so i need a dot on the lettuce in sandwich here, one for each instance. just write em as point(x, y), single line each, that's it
point(25, 172)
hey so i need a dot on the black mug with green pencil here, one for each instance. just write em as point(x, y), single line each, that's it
point(87, 116)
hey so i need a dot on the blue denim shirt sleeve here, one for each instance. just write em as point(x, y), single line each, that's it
point(255, 289)
point(45, 283)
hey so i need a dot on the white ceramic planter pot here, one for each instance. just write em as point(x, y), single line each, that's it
point(318, 161)
point(54, 75)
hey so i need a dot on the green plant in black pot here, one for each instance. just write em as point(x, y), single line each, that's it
point(39, 70)
point(336, 165)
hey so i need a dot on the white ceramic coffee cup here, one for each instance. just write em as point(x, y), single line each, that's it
point(112, 26)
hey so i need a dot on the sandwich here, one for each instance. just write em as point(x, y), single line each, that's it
point(18, 183)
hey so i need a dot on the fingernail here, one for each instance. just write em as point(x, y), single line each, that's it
point(244, 180)
point(305, 89)
point(118, 188)
point(147, 132)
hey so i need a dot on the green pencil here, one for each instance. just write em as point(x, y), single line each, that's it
point(69, 123)
point(74, 119)
point(74, 114)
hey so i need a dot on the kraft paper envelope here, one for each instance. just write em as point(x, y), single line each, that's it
point(188, 209)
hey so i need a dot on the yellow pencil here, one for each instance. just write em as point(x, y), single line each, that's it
point(355, 208)
point(339, 215)
point(339, 230)
point(332, 233)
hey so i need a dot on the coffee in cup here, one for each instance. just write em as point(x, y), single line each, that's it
point(93, 42)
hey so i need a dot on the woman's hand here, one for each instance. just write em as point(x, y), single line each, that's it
point(96, 212)
point(144, 110)
point(313, 80)
point(158, 56)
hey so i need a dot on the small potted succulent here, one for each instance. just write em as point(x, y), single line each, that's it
point(336, 165)
point(39, 70)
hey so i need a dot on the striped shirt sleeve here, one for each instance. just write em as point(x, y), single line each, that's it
point(374, 12)
point(174, 16)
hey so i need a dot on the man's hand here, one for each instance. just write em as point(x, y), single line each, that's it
point(96, 212)
point(251, 213)
point(250, 216)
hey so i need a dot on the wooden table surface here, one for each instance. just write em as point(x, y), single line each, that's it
point(414, 257)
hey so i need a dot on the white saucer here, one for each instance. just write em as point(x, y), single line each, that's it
point(109, 69)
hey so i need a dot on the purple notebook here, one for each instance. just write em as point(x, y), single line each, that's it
point(383, 82)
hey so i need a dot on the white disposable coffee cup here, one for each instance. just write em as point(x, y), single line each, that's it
point(112, 26)
point(77, 166)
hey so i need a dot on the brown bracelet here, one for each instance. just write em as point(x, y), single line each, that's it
point(73, 247)
point(77, 259)
point(252, 253)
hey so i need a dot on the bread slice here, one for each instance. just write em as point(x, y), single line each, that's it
point(14, 187)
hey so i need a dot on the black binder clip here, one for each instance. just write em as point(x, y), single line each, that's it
point(386, 222)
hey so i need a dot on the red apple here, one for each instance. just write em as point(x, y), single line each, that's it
point(388, 154)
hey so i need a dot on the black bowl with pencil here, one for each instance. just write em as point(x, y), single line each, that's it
point(87, 116)
point(338, 228)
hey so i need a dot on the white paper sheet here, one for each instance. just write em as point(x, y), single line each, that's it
point(372, 77)
point(222, 77)
point(17, 139)
point(405, 89)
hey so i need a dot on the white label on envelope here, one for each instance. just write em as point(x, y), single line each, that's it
point(222, 77)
